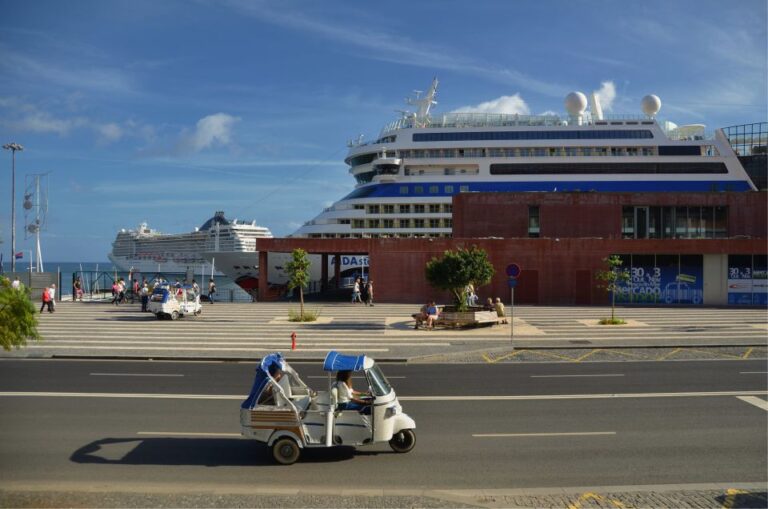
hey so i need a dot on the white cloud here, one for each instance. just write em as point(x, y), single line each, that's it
point(510, 104)
point(212, 130)
point(109, 132)
point(606, 95)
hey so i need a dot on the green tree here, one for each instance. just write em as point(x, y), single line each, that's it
point(612, 278)
point(298, 275)
point(18, 322)
point(457, 269)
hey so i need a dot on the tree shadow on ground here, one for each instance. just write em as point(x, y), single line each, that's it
point(209, 452)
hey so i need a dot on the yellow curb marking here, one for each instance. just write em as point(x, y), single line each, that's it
point(730, 498)
point(598, 498)
point(668, 354)
point(748, 352)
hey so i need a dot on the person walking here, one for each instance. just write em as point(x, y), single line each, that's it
point(77, 290)
point(16, 285)
point(211, 290)
point(356, 291)
point(135, 290)
point(46, 298)
point(144, 292)
point(52, 293)
point(115, 293)
point(369, 293)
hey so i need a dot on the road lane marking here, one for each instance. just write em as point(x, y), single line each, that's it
point(402, 398)
point(571, 434)
point(361, 377)
point(574, 376)
point(753, 372)
point(187, 434)
point(752, 400)
point(135, 374)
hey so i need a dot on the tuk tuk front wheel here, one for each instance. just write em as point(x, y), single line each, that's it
point(403, 441)
point(286, 451)
point(174, 315)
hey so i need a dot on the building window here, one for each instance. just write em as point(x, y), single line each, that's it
point(419, 208)
point(357, 206)
point(389, 209)
point(405, 223)
point(405, 209)
point(434, 223)
point(389, 223)
point(533, 221)
point(447, 208)
point(447, 223)
point(434, 208)
point(434, 189)
point(403, 189)
point(418, 223)
point(463, 189)
point(373, 209)
point(373, 223)
point(358, 223)
point(418, 189)
point(448, 189)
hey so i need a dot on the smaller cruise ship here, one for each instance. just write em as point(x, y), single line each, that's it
point(147, 250)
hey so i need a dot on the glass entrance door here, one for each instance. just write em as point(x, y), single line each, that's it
point(641, 222)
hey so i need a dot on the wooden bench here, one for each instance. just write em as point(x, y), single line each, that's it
point(456, 319)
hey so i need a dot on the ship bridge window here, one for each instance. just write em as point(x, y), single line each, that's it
point(362, 159)
point(364, 178)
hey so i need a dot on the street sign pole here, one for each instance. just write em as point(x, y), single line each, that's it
point(512, 316)
point(513, 272)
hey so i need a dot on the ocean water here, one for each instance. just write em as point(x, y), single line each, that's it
point(102, 274)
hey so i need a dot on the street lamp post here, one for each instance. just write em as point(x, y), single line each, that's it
point(13, 147)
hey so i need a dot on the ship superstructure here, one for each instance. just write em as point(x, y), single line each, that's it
point(147, 250)
point(407, 176)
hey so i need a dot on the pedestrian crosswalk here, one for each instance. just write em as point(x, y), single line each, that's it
point(247, 331)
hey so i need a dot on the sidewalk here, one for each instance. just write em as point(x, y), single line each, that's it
point(385, 331)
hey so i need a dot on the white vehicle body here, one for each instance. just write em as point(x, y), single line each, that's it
point(288, 416)
point(172, 302)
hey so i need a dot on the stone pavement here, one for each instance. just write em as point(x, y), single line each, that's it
point(385, 331)
point(698, 496)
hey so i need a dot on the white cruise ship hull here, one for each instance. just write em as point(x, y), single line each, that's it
point(125, 264)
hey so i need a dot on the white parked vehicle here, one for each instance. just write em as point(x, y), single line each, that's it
point(174, 301)
point(282, 412)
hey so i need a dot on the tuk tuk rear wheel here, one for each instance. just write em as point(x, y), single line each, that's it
point(403, 441)
point(286, 451)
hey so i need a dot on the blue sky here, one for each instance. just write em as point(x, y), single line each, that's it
point(167, 111)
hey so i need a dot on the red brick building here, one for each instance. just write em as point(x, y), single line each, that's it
point(682, 248)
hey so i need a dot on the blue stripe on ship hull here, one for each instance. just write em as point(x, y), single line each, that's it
point(625, 186)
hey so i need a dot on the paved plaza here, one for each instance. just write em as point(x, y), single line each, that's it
point(385, 331)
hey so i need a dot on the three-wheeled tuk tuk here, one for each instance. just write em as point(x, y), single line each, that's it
point(282, 412)
point(172, 302)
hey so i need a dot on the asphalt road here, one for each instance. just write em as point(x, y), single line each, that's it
point(545, 425)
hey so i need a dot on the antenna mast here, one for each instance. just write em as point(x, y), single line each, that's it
point(36, 211)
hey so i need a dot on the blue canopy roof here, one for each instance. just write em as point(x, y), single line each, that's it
point(262, 377)
point(335, 361)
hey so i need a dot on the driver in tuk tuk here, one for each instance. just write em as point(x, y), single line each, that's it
point(348, 398)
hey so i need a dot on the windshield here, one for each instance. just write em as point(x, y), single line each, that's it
point(378, 382)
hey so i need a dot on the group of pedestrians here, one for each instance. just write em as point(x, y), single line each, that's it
point(362, 292)
point(49, 298)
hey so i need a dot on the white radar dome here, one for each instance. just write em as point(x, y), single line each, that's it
point(575, 103)
point(651, 105)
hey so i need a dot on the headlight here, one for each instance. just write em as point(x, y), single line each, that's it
point(393, 410)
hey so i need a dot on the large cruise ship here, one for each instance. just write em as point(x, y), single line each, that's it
point(147, 250)
point(406, 178)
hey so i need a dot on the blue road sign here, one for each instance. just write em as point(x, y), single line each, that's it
point(512, 282)
point(513, 270)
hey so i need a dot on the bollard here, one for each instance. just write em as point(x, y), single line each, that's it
point(293, 340)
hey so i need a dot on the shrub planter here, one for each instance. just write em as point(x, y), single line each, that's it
point(474, 316)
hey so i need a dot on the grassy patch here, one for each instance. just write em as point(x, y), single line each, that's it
point(309, 315)
point(611, 321)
